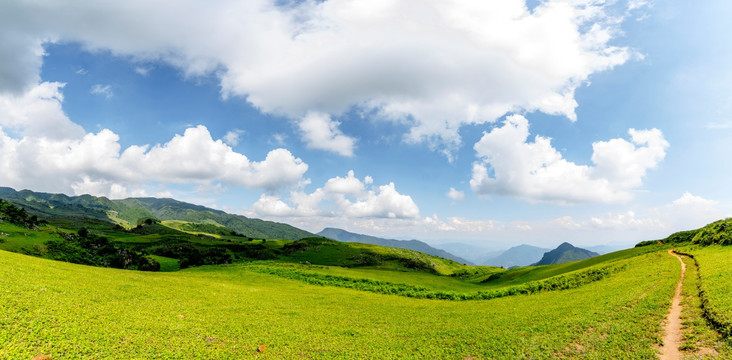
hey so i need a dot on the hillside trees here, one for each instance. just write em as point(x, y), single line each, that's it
point(18, 216)
point(90, 249)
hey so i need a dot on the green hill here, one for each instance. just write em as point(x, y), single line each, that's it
point(228, 294)
point(564, 253)
point(126, 212)
point(72, 311)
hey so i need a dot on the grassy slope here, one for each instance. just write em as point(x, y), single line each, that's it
point(72, 311)
point(126, 212)
point(533, 273)
point(716, 281)
point(322, 251)
point(17, 239)
point(700, 340)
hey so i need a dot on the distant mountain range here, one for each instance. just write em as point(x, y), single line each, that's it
point(522, 255)
point(565, 252)
point(345, 236)
point(129, 211)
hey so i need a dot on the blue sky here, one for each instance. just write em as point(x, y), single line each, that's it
point(487, 123)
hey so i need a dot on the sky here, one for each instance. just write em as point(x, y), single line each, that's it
point(488, 123)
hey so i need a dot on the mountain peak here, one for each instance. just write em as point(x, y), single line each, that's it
point(565, 252)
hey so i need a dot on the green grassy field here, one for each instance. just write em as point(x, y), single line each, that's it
point(700, 339)
point(19, 239)
point(715, 272)
point(72, 311)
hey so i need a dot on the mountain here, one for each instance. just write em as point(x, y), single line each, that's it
point(469, 252)
point(522, 255)
point(345, 236)
point(127, 212)
point(564, 253)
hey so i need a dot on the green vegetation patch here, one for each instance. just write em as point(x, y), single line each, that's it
point(700, 340)
point(561, 282)
point(716, 233)
point(535, 273)
point(69, 311)
point(166, 264)
point(323, 251)
point(715, 284)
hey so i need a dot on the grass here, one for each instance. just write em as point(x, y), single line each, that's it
point(414, 278)
point(700, 340)
point(715, 286)
point(19, 239)
point(322, 251)
point(535, 273)
point(561, 282)
point(72, 311)
point(166, 264)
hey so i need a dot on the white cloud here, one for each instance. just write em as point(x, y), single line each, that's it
point(46, 151)
point(455, 194)
point(620, 229)
point(104, 90)
point(687, 199)
point(626, 220)
point(232, 137)
point(278, 139)
point(638, 4)
point(195, 156)
point(320, 132)
point(142, 71)
point(691, 212)
point(95, 162)
point(535, 171)
point(346, 197)
point(433, 64)
point(38, 113)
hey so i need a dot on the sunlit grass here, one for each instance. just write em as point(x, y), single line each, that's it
point(73, 311)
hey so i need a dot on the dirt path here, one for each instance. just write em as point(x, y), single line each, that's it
point(672, 328)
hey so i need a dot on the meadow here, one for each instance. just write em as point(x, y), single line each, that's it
point(715, 283)
point(72, 311)
point(211, 292)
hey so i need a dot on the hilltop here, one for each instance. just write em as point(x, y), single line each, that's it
point(127, 212)
point(564, 253)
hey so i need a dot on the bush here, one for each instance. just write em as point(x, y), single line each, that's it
point(719, 232)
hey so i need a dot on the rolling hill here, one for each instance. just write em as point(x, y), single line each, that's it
point(127, 212)
point(268, 297)
point(343, 235)
point(564, 253)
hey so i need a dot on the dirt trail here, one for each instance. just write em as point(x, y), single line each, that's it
point(672, 328)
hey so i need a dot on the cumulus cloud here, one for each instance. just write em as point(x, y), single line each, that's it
point(433, 64)
point(232, 137)
point(511, 165)
point(41, 148)
point(38, 113)
point(95, 162)
point(319, 131)
point(347, 197)
point(455, 194)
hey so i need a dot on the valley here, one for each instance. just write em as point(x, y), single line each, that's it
point(215, 292)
